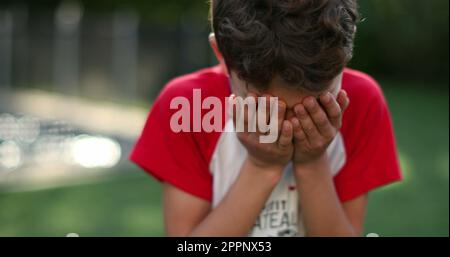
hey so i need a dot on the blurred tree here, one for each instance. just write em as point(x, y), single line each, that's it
point(401, 39)
point(405, 39)
point(160, 11)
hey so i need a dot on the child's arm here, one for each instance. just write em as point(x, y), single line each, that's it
point(235, 216)
point(322, 211)
point(186, 215)
point(316, 124)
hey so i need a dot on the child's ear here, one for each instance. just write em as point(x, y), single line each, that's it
point(219, 56)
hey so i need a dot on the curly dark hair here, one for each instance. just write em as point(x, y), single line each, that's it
point(305, 42)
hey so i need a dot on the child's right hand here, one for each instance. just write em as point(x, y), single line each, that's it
point(267, 156)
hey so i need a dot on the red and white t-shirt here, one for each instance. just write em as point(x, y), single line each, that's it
point(363, 156)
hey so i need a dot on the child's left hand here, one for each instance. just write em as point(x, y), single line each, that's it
point(316, 124)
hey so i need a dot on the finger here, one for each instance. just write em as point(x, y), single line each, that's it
point(332, 108)
point(264, 113)
point(343, 100)
point(286, 135)
point(299, 134)
point(319, 117)
point(308, 126)
point(281, 114)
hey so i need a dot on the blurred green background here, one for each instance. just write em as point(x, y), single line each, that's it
point(403, 44)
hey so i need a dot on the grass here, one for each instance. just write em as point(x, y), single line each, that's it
point(418, 206)
point(130, 205)
point(127, 205)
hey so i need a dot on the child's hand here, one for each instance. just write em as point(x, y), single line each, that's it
point(273, 156)
point(316, 124)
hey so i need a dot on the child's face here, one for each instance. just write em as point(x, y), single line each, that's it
point(284, 92)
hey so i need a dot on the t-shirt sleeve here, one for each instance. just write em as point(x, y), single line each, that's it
point(372, 159)
point(170, 157)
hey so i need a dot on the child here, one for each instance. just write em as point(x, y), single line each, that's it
point(314, 180)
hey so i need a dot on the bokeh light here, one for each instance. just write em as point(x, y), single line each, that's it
point(95, 152)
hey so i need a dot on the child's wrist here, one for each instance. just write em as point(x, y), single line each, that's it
point(315, 168)
point(271, 173)
point(265, 166)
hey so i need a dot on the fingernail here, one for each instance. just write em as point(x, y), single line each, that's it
point(311, 103)
point(300, 110)
point(326, 98)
